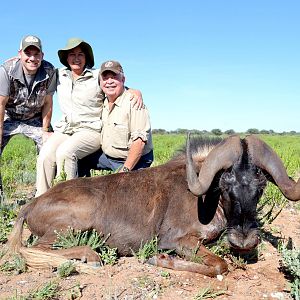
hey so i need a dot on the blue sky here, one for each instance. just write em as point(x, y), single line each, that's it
point(224, 64)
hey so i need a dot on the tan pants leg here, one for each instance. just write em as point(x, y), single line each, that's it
point(62, 151)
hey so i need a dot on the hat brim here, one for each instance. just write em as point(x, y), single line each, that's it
point(86, 48)
point(111, 70)
point(32, 45)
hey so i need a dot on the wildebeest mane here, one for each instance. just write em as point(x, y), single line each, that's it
point(200, 146)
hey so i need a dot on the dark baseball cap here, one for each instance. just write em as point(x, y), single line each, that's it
point(31, 40)
point(111, 65)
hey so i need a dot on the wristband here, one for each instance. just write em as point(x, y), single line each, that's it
point(125, 169)
point(46, 129)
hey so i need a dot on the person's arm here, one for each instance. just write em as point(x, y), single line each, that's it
point(134, 155)
point(46, 116)
point(3, 101)
point(140, 129)
point(4, 96)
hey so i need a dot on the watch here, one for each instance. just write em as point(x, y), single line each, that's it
point(125, 169)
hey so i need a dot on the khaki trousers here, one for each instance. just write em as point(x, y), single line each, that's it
point(61, 152)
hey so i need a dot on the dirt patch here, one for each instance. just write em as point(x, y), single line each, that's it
point(129, 279)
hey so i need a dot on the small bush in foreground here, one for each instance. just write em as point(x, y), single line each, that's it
point(208, 293)
point(7, 217)
point(66, 269)
point(291, 266)
point(48, 291)
point(149, 249)
point(72, 238)
point(14, 265)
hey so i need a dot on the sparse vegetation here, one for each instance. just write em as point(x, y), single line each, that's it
point(149, 288)
point(7, 217)
point(13, 265)
point(18, 171)
point(220, 247)
point(195, 257)
point(149, 249)
point(291, 266)
point(66, 269)
point(72, 238)
point(50, 290)
point(93, 239)
point(208, 293)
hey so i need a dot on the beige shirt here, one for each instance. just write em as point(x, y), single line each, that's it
point(80, 101)
point(123, 125)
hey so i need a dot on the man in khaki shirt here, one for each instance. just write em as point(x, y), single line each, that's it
point(126, 140)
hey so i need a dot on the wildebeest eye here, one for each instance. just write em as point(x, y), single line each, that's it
point(229, 177)
point(259, 172)
point(261, 178)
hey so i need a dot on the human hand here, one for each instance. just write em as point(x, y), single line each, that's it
point(136, 98)
point(46, 136)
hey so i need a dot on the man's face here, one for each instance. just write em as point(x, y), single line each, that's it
point(31, 59)
point(112, 84)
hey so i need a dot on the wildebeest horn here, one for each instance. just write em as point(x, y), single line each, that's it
point(221, 157)
point(266, 158)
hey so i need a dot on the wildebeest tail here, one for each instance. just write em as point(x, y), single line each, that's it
point(14, 242)
point(15, 239)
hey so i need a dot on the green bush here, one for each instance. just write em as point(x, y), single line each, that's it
point(7, 217)
point(73, 238)
point(291, 266)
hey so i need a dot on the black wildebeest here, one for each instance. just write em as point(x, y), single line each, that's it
point(186, 203)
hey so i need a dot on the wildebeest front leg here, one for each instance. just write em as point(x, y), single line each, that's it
point(197, 259)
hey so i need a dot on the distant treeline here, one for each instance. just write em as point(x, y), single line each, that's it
point(220, 132)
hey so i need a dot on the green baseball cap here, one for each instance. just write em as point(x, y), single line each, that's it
point(73, 43)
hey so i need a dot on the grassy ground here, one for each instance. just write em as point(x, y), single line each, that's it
point(19, 159)
point(18, 172)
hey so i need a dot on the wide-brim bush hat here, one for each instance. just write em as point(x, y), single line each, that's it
point(73, 43)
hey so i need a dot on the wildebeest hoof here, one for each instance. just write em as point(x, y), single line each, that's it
point(152, 261)
point(94, 264)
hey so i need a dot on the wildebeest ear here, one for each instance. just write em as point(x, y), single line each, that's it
point(208, 204)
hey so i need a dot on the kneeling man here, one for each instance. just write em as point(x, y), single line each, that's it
point(126, 133)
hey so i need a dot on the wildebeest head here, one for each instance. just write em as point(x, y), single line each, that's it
point(241, 188)
point(245, 166)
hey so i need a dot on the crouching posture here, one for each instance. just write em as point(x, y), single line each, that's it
point(186, 203)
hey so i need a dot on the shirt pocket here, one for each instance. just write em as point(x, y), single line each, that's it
point(119, 136)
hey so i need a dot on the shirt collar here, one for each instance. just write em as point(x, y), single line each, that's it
point(87, 72)
point(119, 100)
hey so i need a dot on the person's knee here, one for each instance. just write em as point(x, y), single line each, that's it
point(45, 157)
point(63, 154)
